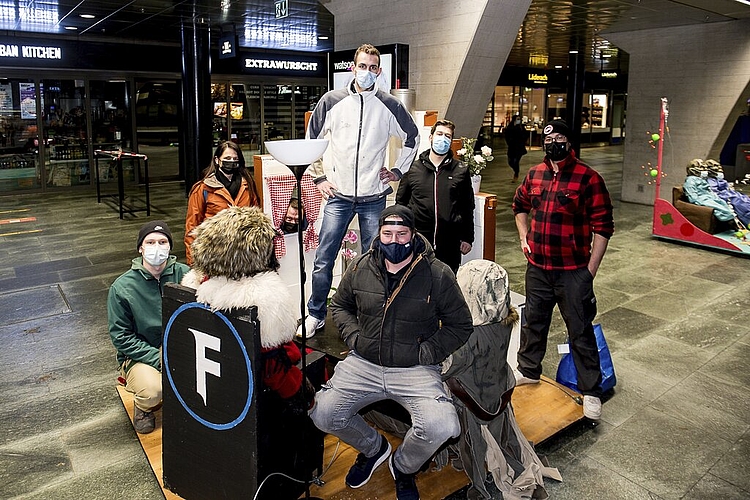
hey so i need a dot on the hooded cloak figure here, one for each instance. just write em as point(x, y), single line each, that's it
point(482, 381)
point(234, 267)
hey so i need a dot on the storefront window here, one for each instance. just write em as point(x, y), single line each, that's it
point(64, 121)
point(556, 107)
point(305, 99)
point(110, 115)
point(277, 112)
point(19, 139)
point(244, 118)
point(157, 105)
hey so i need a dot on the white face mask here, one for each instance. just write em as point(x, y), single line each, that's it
point(155, 255)
point(365, 78)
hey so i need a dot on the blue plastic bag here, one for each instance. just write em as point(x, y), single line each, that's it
point(567, 374)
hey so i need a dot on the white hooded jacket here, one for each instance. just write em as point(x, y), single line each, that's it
point(359, 126)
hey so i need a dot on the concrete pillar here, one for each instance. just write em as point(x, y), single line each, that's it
point(704, 71)
point(457, 49)
point(196, 141)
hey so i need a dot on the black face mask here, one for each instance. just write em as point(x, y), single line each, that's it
point(289, 227)
point(396, 252)
point(556, 151)
point(229, 167)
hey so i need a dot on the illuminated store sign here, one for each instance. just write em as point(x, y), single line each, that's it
point(30, 52)
point(537, 78)
point(609, 74)
point(343, 66)
point(276, 64)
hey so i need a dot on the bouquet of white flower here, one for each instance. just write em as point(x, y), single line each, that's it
point(475, 162)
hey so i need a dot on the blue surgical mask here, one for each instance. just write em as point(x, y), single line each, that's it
point(365, 78)
point(440, 144)
point(395, 252)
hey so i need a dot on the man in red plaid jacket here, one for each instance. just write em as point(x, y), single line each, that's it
point(564, 218)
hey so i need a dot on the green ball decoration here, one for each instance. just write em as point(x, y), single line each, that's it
point(739, 234)
point(655, 137)
point(654, 172)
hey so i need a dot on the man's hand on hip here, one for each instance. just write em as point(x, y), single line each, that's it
point(327, 189)
point(387, 175)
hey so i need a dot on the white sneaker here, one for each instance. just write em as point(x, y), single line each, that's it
point(312, 325)
point(592, 407)
point(522, 380)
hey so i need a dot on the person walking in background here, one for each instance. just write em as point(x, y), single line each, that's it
point(515, 137)
point(400, 312)
point(359, 121)
point(437, 188)
point(135, 323)
point(226, 182)
point(565, 240)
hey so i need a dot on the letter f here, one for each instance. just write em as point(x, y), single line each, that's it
point(203, 365)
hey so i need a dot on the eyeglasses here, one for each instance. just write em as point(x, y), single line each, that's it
point(560, 139)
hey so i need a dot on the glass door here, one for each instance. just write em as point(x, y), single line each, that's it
point(277, 112)
point(19, 139)
point(157, 119)
point(245, 118)
point(66, 157)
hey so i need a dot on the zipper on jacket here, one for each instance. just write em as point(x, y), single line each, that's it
point(435, 207)
point(389, 300)
point(359, 142)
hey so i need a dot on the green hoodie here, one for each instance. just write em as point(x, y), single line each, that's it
point(134, 311)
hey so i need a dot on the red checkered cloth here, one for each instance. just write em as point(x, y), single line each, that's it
point(281, 188)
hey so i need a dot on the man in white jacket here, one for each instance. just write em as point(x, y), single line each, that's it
point(359, 121)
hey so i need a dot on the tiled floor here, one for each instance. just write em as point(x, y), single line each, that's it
point(678, 425)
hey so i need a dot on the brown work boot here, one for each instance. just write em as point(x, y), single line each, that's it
point(143, 421)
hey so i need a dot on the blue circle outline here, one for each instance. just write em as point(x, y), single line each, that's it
point(248, 402)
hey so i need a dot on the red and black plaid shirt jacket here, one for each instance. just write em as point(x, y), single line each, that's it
point(565, 209)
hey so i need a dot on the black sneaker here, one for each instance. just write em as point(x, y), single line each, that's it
point(363, 467)
point(406, 486)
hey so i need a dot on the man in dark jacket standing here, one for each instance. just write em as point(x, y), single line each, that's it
point(401, 312)
point(437, 188)
point(515, 137)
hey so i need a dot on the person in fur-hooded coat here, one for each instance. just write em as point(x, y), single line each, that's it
point(234, 267)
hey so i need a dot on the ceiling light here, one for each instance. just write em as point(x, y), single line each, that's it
point(606, 55)
point(746, 2)
point(322, 37)
point(573, 52)
point(88, 16)
point(71, 28)
point(558, 67)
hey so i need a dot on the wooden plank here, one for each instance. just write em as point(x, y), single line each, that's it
point(542, 410)
point(150, 442)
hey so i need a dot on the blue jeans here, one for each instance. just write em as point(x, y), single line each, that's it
point(357, 383)
point(337, 215)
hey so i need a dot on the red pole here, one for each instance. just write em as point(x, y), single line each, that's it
point(660, 149)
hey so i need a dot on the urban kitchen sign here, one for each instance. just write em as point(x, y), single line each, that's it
point(14, 51)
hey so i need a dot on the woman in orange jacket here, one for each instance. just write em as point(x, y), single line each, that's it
point(226, 182)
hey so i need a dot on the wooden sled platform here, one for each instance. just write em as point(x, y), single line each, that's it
point(542, 410)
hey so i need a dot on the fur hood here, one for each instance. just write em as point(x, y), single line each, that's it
point(276, 309)
point(235, 243)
